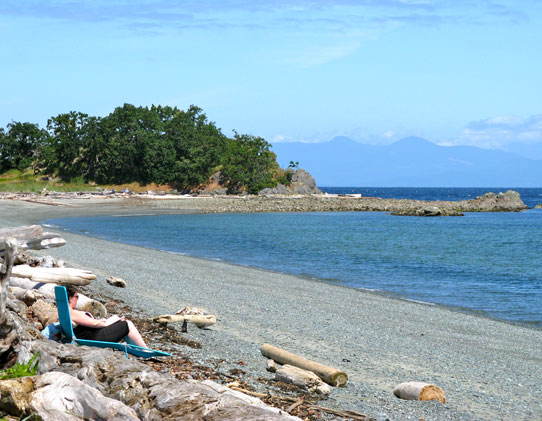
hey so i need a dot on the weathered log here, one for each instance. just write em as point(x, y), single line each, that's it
point(194, 311)
point(71, 276)
point(58, 396)
point(24, 233)
point(199, 320)
point(419, 391)
point(116, 282)
point(46, 313)
point(302, 378)
point(331, 376)
point(27, 296)
point(8, 334)
point(30, 237)
point(84, 303)
point(48, 290)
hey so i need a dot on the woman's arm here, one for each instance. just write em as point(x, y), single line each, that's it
point(80, 318)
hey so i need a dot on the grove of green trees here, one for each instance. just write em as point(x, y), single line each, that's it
point(163, 145)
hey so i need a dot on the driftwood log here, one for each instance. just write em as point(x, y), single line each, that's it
point(58, 396)
point(302, 378)
point(419, 391)
point(71, 276)
point(84, 303)
point(45, 312)
point(27, 296)
point(116, 282)
point(331, 376)
point(197, 319)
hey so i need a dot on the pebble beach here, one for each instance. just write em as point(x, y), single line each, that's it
point(488, 369)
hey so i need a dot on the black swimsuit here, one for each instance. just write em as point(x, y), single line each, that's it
point(112, 333)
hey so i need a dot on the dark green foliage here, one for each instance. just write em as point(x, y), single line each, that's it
point(249, 163)
point(163, 145)
point(19, 144)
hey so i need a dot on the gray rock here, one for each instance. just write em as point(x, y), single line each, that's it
point(304, 183)
point(279, 189)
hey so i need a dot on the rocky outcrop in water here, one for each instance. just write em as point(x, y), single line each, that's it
point(490, 202)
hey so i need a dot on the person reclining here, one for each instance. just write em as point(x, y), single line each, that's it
point(113, 329)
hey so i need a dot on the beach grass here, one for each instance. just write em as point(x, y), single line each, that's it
point(15, 181)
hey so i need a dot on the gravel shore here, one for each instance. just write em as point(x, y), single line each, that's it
point(489, 370)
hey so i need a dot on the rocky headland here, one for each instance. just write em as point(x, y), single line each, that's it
point(509, 201)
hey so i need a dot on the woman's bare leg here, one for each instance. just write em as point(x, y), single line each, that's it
point(134, 334)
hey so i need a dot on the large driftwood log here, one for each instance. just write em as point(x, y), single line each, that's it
point(331, 376)
point(71, 276)
point(30, 237)
point(199, 320)
point(8, 334)
point(419, 391)
point(58, 396)
point(302, 378)
point(84, 303)
point(27, 296)
point(46, 313)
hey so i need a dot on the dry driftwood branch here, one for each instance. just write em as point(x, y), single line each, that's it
point(331, 376)
point(344, 414)
point(199, 320)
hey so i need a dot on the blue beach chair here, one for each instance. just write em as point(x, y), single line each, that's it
point(66, 323)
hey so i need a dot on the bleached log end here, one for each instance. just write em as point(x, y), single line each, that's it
point(419, 391)
point(271, 366)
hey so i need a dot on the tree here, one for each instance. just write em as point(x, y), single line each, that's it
point(19, 145)
point(248, 162)
point(65, 154)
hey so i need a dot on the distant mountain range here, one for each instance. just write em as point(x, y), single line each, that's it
point(409, 162)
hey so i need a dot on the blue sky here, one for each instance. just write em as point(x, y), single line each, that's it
point(457, 72)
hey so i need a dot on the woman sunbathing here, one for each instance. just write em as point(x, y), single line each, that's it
point(113, 329)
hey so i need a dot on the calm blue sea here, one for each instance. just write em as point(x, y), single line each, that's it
point(488, 263)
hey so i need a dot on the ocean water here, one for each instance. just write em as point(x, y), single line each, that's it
point(489, 263)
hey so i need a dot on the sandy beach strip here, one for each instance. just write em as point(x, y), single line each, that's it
point(488, 369)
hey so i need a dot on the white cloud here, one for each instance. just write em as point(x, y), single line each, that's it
point(522, 136)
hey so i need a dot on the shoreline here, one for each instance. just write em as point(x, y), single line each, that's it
point(488, 369)
point(382, 293)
